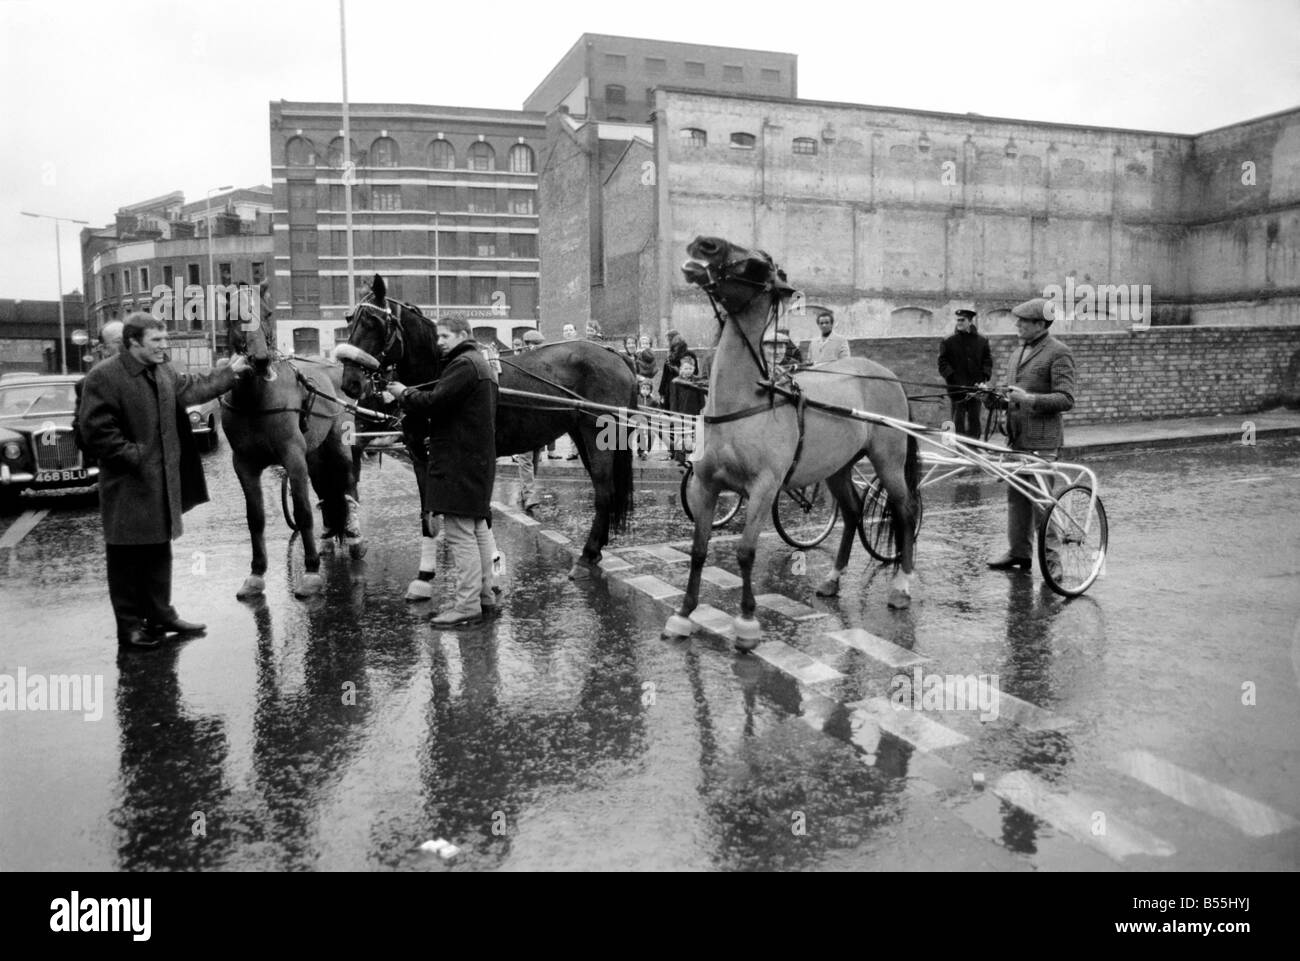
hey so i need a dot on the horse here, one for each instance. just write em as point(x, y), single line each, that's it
point(387, 335)
point(756, 440)
point(288, 413)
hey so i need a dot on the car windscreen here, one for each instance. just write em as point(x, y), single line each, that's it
point(19, 401)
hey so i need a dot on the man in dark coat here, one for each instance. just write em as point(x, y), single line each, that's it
point(1041, 374)
point(133, 420)
point(462, 411)
point(676, 350)
point(964, 361)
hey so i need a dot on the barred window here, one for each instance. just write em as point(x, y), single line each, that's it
point(743, 141)
point(694, 137)
point(694, 68)
point(442, 155)
point(388, 197)
point(805, 145)
point(482, 200)
point(521, 202)
point(615, 93)
point(383, 152)
point(481, 156)
point(733, 74)
point(521, 159)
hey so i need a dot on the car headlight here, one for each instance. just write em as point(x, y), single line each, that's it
point(195, 417)
point(12, 450)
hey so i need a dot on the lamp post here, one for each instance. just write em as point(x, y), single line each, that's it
point(58, 261)
point(211, 299)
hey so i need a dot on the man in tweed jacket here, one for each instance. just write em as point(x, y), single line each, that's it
point(1041, 374)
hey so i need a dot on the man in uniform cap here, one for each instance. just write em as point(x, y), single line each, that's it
point(965, 360)
point(828, 346)
point(1040, 373)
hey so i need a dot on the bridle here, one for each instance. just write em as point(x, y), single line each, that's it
point(377, 370)
point(774, 284)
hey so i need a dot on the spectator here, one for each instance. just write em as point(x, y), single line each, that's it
point(528, 461)
point(829, 346)
point(964, 361)
point(676, 350)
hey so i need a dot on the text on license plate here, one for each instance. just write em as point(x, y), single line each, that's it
point(72, 474)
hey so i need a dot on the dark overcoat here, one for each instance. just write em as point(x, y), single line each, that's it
point(965, 360)
point(149, 467)
point(1044, 368)
point(462, 413)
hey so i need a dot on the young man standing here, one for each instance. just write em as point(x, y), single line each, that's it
point(462, 408)
point(828, 346)
point(964, 361)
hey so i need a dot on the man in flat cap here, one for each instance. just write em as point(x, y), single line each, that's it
point(1041, 375)
point(829, 346)
point(964, 361)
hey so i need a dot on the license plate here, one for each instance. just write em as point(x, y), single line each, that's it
point(57, 476)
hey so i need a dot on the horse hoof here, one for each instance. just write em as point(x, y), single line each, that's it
point(311, 586)
point(253, 586)
point(748, 633)
point(419, 590)
point(899, 600)
point(679, 626)
point(580, 571)
point(357, 548)
point(829, 587)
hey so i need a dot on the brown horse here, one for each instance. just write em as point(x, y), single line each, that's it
point(388, 335)
point(288, 414)
point(755, 441)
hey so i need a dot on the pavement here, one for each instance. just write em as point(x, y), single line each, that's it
point(1082, 439)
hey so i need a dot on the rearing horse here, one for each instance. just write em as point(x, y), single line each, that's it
point(754, 441)
point(288, 414)
point(387, 335)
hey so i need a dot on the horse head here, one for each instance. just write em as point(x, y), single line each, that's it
point(248, 325)
point(736, 278)
point(374, 342)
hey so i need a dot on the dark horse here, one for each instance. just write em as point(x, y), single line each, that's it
point(288, 414)
point(387, 335)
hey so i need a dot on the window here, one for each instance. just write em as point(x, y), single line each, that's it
point(521, 159)
point(341, 333)
point(483, 245)
point(694, 68)
point(112, 284)
point(442, 155)
point(302, 249)
point(304, 288)
point(616, 61)
point(306, 341)
point(769, 75)
point(387, 197)
point(223, 271)
point(192, 274)
point(302, 196)
point(481, 157)
point(615, 93)
point(481, 290)
point(482, 200)
point(339, 295)
point(521, 202)
point(742, 141)
point(169, 275)
point(805, 145)
point(335, 155)
point(259, 271)
point(442, 198)
point(733, 74)
point(144, 280)
point(299, 152)
point(523, 245)
point(415, 243)
point(694, 137)
point(383, 152)
point(126, 281)
point(448, 242)
point(386, 242)
point(656, 65)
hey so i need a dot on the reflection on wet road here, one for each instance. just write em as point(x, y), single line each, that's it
point(1149, 725)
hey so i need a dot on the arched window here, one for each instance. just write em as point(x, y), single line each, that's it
point(481, 156)
point(383, 152)
point(615, 93)
point(805, 145)
point(521, 159)
point(299, 152)
point(743, 141)
point(442, 155)
point(694, 137)
point(335, 156)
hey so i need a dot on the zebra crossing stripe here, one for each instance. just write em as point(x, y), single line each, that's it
point(555, 537)
point(720, 577)
point(788, 607)
point(1030, 716)
point(662, 552)
point(797, 664)
point(911, 727)
point(517, 516)
point(876, 647)
point(22, 525)
point(1082, 817)
point(649, 584)
point(612, 562)
point(712, 619)
point(1246, 814)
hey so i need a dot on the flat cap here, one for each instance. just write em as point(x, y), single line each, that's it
point(1040, 308)
point(963, 312)
point(533, 337)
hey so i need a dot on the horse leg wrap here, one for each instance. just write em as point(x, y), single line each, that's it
point(352, 525)
point(748, 633)
point(679, 626)
point(421, 589)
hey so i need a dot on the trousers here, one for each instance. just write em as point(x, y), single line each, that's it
point(527, 464)
point(140, 584)
point(966, 415)
point(472, 546)
point(1023, 516)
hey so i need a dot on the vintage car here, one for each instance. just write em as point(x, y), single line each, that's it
point(203, 423)
point(37, 449)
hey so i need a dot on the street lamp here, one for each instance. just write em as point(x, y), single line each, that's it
point(211, 299)
point(58, 261)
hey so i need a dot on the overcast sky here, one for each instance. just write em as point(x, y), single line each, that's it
point(105, 104)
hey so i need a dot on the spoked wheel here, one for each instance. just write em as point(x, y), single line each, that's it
point(1078, 520)
point(286, 502)
point(727, 507)
point(877, 528)
point(804, 516)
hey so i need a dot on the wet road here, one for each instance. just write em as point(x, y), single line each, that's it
point(1153, 724)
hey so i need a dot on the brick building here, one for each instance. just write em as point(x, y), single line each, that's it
point(444, 207)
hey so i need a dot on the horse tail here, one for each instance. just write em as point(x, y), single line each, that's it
point(912, 467)
point(624, 487)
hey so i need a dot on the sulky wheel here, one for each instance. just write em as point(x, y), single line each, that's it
point(727, 506)
point(804, 516)
point(1078, 520)
point(877, 528)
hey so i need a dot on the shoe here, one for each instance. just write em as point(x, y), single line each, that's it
point(572, 457)
point(1006, 562)
point(491, 611)
point(182, 627)
point(141, 638)
point(451, 618)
